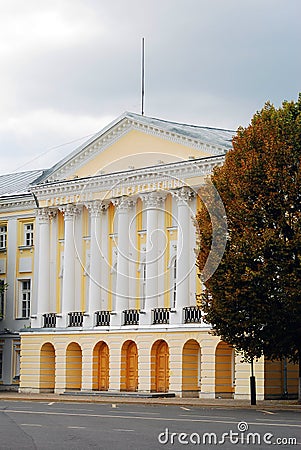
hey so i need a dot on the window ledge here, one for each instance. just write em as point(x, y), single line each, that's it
point(26, 247)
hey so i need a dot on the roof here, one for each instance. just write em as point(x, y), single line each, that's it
point(18, 183)
point(208, 135)
point(211, 136)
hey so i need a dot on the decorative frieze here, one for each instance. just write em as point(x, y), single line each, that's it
point(164, 177)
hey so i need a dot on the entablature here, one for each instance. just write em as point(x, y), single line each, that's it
point(131, 182)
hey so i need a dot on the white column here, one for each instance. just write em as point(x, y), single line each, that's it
point(43, 271)
point(95, 289)
point(105, 268)
point(183, 197)
point(69, 261)
point(122, 280)
point(152, 202)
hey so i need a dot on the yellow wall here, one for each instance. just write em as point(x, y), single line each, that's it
point(139, 150)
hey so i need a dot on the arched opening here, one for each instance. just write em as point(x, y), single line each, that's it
point(191, 369)
point(129, 367)
point(47, 368)
point(160, 367)
point(101, 357)
point(73, 367)
point(280, 379)
point(224, 370)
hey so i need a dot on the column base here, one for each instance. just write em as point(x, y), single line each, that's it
point(116, 319)
point(62, 320)
point(145, 318)
point(176, 316)
point(207, 395)
point(37, 321)
point(88, 321)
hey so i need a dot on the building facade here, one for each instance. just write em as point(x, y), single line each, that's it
point(104, 271)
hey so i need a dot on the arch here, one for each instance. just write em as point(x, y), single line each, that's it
point(191, 368)
point(101, 367)
point(160, 366)
point(47, 368)
point(224, 370)
point(129, 367)
point(280, 379)
point(73, 366)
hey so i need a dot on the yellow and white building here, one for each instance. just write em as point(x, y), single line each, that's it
point(103, 252)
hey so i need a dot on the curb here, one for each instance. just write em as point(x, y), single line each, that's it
point(176, 401)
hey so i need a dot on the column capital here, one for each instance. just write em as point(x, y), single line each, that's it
point(123, 203)
point(45, 214)
point(153, 199)
point(96, 207)
point(70, 211)
point(184, 195)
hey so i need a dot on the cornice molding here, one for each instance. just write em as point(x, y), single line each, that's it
point(17, 204)
point(176, 172)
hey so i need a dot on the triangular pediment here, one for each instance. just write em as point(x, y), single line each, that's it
point(133, 141)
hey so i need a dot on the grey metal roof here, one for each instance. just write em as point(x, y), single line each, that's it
point(207, 135)
point(17, 183)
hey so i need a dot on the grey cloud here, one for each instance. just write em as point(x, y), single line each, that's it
point(211, 62)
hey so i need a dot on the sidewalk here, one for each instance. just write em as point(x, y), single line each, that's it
point(196, 402)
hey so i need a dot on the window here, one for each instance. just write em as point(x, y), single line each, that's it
point(25, 289)
point(2, 298)
point(16, 362)
point(3, 236)
point(28, 234)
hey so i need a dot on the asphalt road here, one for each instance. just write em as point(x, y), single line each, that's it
point(78, 426)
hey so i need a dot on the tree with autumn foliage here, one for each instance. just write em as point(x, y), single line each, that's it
point(253, 299)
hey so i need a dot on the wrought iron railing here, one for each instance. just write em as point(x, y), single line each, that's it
point(102, 318)
point(160, 315)
point(131, 317)
point(49, 320)
point(76, 319)
point(192, 314)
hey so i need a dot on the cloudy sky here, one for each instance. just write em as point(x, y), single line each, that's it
point(69, 67)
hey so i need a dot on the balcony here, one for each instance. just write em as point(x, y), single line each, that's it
point(160, 315)
point(131, 317)
point(49, 320)
point(75, 319)
point(192, 314)
point(102, 318)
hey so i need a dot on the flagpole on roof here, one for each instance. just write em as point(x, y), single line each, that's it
point(142, 79)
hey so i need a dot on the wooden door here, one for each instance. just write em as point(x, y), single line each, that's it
point(103, 378)
point(132, 368)
point(162, 368)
